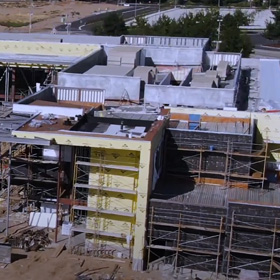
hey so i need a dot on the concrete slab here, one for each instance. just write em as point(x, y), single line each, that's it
point(110, 70)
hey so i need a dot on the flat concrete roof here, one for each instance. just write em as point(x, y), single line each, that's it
point(109, 70)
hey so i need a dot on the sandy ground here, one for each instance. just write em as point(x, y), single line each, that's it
point(47, 15)
point(42, 265)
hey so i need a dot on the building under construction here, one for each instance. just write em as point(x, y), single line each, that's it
point(168, 188)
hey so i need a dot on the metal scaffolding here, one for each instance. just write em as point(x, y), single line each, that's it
point(185, 237)
point(185, 241)
point(225, 163)
point(253, 245)
point(98, 209)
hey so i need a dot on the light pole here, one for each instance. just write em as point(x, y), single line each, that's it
point(135, 10)
point(68, 27)
point(159, 6)
point(30, 16)
point(219, 32)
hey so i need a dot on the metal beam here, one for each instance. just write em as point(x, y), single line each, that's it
point(16, 140)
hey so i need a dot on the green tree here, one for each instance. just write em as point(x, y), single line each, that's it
point(273, 28)
point(232, 38)
point(141, 27)
point(203, 25)
point(113, 25)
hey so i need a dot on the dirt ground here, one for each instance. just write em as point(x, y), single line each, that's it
point(46, 15)
point(42, 265)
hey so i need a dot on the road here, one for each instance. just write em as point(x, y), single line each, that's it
point(85, 25)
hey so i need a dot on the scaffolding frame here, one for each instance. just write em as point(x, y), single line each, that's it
point(238, 241)
point(181, 224)
point(257, 155)
point(260, 234)
point(20, 166)
point(101, 188)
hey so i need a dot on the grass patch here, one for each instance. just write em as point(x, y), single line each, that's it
point(9, 23)
point(13, 23)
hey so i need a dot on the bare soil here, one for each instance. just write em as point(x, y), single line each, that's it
point(42, 265)
point(15, 17)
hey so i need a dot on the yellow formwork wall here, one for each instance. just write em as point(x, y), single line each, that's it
point(46, 48)
point(122, 202)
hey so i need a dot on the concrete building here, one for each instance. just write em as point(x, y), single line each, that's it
point(140, 146)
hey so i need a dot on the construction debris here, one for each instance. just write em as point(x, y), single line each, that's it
point(115, 271)
point(58, 250)
point(85, 274)
point(30, 240)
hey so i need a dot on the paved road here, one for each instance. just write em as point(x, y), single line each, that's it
point(86, 24)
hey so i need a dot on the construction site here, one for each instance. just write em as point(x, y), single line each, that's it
point(121, 153)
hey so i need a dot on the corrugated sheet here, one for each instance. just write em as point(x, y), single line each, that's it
point(211, 195)
point(80, 95)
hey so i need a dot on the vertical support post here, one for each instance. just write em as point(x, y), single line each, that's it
point(8, 191)
point(264, 163)
point(58, 195)
point(29, 173)
point(165, 151)
point(178, 242)
point(272, 249)
point(75, 175)
point(7, 84)
point(226, 165)
point(200, 165)
point(13, 87)
point(230, 242)
point(150, 238)
point(219, 246)
point(79, 95)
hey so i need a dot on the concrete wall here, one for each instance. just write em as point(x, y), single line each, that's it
point(168, 55)
point(174, 55)
point(96, 58)
point(167, 79)
point(115, 86)
point(269, 79)
point(188, 79)
point(198, 97)
point(45, 94)
point(250, 62)
point(184, 42)
point(58, 111)
point(213, 58)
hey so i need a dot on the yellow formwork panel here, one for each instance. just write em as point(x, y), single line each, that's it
point(114, 201)
point(84, 140)
point(46, 48)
